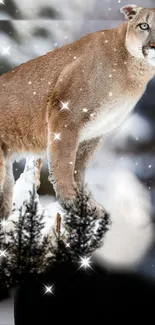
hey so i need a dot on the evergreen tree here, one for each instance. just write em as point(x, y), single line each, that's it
point(5, 269)
point(84, 232)
point(26, 247)
point(27, 254)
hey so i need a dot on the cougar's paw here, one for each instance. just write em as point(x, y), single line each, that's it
point(98, 209)
point(67, 200)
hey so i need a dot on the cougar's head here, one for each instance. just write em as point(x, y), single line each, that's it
point(140, 37)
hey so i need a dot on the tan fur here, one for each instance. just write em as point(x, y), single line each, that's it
point(101, 80)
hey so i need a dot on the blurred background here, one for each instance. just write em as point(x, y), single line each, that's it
point(122, 173)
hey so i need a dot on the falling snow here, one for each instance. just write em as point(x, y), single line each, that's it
point(85, 110)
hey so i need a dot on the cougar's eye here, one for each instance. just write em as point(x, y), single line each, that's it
point(144, 26)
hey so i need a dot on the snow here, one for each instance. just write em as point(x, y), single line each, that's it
point(7, 311)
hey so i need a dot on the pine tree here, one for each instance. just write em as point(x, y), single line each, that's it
point(5, 270)
point(84, 232)
point(27, 254)
point(26, 247)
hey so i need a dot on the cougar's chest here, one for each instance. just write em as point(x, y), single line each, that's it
point(106, 119)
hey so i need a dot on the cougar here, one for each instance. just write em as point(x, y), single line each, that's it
point(62, 104)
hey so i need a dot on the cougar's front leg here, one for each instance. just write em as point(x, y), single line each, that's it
point(38, 165)
point(84, 153)
point(62, 147)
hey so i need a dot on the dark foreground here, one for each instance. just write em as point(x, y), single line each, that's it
point(84, 296)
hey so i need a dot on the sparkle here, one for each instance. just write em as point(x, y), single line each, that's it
point(64, 106)
point(68, 245)
point(5, 50)
point(49, 289)
point(85, 262)
point(3, 253)
point(92, 115)
point(57, 136)
point(85, 110)
point(4, 223)
point(2, 2)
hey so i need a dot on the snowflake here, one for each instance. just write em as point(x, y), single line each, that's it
point(85, 110)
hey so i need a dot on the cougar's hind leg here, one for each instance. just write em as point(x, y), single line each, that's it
point(34, 167)
point(38, 165)
point(6, 186)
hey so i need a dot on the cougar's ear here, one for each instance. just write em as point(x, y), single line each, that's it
point(130, 11)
